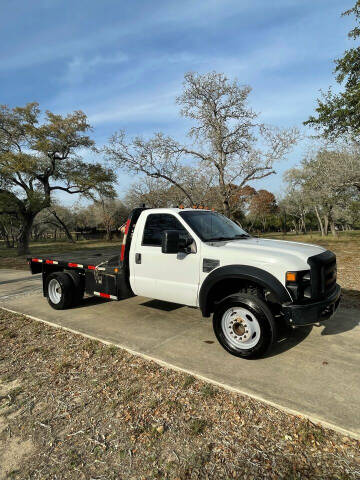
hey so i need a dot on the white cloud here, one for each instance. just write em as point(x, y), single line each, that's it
point(52, 42)
point(80, 67)
point(161, 108)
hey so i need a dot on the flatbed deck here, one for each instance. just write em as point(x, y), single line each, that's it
point(84, 257)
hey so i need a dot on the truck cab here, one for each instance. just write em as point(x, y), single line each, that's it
point(200, 258)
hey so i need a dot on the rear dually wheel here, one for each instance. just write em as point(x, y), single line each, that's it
point(60, 290)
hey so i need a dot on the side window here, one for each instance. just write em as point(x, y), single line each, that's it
point(156, 223)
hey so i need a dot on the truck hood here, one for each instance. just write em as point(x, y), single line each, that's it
point(269, 251)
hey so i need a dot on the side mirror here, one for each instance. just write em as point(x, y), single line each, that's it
point(184, 244)
point(170, 241)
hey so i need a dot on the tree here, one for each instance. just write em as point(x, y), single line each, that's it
point(346, 155)
point(295, 206)
point(227, 132)
point(56, 217)
point(226, 141)
point(9, 229)
point(318, 182)
point(158, 192)
point(158, 158)
point(109, 213)
point(338, 114)
point(262, 206)
point(38, 159)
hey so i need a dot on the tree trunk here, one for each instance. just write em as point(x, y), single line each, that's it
point(303, 222)
point(64, 226)
point(109, 234)
point(283, 224)
point(331, 221)
point(320, 221)
point(24, 236)
point(332, 227)
point(226, 207)
point(295, 226)
point(326, 224)
point(5, 235)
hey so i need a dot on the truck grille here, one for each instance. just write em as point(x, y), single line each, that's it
point(330, 274)
point(323, 274)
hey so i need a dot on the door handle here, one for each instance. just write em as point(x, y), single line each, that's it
point(137, 258)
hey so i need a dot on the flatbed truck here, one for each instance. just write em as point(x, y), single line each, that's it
point(202, 259)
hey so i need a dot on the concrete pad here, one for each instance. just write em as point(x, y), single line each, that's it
point(18, 282)
point(314, 371)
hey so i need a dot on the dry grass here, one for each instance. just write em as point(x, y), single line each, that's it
point(71, 408)
point(10, 259)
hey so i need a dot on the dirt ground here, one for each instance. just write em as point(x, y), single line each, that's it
point(71, 408)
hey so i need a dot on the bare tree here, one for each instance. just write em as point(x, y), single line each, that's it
point(109, 213)
point(159, 157)
point(227, 134)
point(229, 143)
point(157, 192)
point(320, 182)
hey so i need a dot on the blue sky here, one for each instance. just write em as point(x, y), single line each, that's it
point(123, 62)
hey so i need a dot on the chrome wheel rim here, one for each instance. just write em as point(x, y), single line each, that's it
point(241, 328)
point(54, 291)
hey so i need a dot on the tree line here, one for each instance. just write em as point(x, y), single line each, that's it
point(228, 149)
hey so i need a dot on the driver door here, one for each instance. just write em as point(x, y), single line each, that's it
point(169, 277)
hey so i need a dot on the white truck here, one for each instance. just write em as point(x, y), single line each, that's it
point(200, 258)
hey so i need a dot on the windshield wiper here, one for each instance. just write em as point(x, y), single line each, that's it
point(219, 239)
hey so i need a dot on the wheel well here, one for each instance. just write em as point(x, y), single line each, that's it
point(229, 286)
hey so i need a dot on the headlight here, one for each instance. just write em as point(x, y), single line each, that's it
point(299, 284)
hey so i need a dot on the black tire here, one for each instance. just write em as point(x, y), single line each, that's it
point(265, 334)
point(66, 292)
point(79, 287)
point(79, 296)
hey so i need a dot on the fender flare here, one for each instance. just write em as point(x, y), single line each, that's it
point(240, 272)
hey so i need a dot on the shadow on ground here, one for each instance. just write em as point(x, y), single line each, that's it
point(350, 298)
point(161, 305)
point(288, 337)
point(90, 301)
point(339, 324)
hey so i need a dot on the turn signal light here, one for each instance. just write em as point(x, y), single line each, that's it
point(291, 276)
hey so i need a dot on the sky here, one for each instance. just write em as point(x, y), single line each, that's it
point(123, 62)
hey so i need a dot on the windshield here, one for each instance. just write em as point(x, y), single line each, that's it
point(212, 226)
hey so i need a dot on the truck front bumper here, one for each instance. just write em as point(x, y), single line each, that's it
point(310, 313)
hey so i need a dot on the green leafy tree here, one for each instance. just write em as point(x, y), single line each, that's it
point(339, 114)
point(38, 158)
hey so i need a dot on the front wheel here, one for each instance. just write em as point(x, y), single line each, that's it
point(244, 326)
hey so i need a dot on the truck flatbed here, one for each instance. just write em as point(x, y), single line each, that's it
point(202, 259)
point(82, 257)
